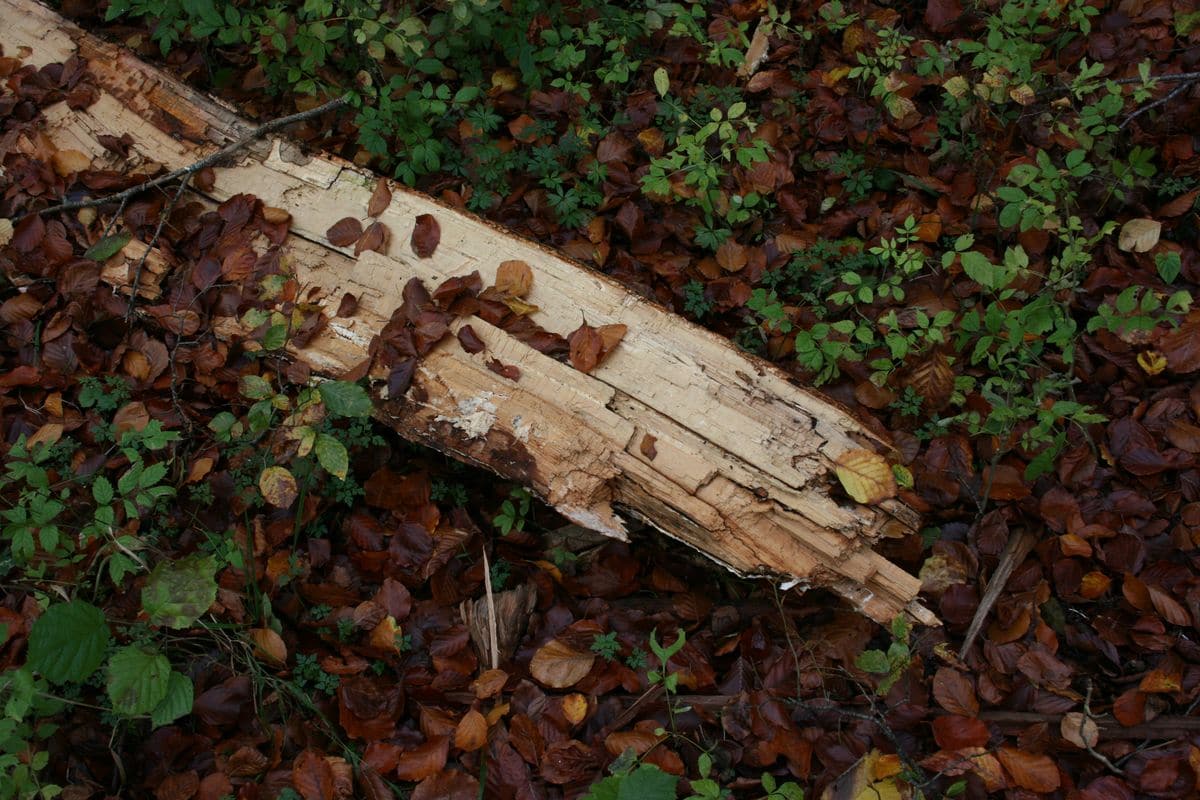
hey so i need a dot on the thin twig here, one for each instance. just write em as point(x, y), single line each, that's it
point(250, 138)
point(1087, 716)
point(1020, 542)
point(1160, 101)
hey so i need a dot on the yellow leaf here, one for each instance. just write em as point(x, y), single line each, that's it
point(575, 708)
point(278, 487)
point(519, 306)
point(865, 476)
point(269, 646)
point(1152, 361)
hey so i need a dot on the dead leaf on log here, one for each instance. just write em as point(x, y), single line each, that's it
point(344, 232)
point(866, 476)
point(426, 235)
point(514, 278)
point(381, 198)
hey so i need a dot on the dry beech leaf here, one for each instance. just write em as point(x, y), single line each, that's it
point(374, 238)
point(575, 708)
point(344, 232)
point(269, 647)
point(275, 216)
point(559, 666)
point(1139, 235)
point(471, 733)
point(610, 337)
point(1031, 771)
point(381, 198)
point(312, 776)
point(1080, 730)
point(865, 476)
point(67, 162)
point(586, 344)
point(6, 231)
point(470, 340)
point(489, 683)
point(514, 278)
point(47, 435)
point(348, 306)
point(426, 235)
point(647, 446)
point(955, 692)
point(520, 307)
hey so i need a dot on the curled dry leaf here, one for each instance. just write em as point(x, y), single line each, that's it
point(865, 476)
point(348, 306)
point(344, 232)
point(276, 216)
point(381, 198)
point(269, 647)
point(426, 235)
point(6, 231)
point(1139, 235)
point(514, 278)
point(470, 340)
point(590, 346)
point(558, 665)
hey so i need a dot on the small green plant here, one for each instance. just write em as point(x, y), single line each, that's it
point(1137, 309)
point(308, 675)
point(890, 664)
point(631, 779)
point(514, 511)
point(105, 394)
point(638, 659)
point(450, 492)
point(606, 646)
point(695, 301)
point(501, 571)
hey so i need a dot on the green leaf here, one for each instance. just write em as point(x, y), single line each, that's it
point(177, 703)
point(102, 490)
point(68, 641)
point(647, 782)
point(1169, 265)
point(108, 247)
point(275, 337)
point(254, 387)
point(177, 593)
point(873, 661)
point(662, 81)
point(332, 455)
point(345, 399)
point(138, 680)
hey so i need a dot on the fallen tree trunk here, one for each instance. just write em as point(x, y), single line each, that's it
point(740, 462)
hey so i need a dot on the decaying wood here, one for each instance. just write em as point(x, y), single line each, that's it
point(741, 464)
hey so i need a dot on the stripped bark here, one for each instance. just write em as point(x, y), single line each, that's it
point(742, 459)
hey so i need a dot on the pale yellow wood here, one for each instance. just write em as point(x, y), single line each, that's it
point(741, 466)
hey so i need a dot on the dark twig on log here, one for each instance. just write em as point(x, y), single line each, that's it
point(266, 129)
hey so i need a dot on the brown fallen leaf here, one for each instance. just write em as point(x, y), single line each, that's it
point(374, 238)
point(381, 198)
point(558, 666)
point(344, 232)
point(426, 235)
point(514, 278)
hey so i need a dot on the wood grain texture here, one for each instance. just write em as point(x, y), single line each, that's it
point(742, 462)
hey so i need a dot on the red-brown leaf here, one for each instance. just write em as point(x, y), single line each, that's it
point(312, 776)
point(955, 692)
point(374, 238)
point(470, 340)
point(381, 198)
point(426, 235)
point(424, 760)
point(952, 732)
point(586, 346)
point(1037, 773)
point(344, 232)
point(348, 306)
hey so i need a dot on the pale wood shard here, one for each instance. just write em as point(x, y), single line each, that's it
point(742, 458)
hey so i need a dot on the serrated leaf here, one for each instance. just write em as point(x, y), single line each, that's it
point(332, 455)
point(138, 679)
point(345, 399)
point(177, 703)
point(177, 593)
point(68, 641)
point(866, 476)
point(108, 247)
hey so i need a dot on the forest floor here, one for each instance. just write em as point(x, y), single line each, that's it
point(973, 224)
